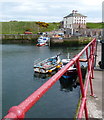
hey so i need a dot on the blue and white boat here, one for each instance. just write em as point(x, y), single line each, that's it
point(71, 72)
point(42, 41)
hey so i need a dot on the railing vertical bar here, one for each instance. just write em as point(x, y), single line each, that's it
point(80, 77)
point(91, 87)
point(86, 110)
point(87, 58)
point(92, 61)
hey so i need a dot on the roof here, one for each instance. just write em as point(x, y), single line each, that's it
point(75, 15)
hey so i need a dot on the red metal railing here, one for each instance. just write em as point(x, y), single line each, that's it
point(20, 110)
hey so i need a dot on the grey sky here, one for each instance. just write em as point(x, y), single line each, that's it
point(49, 10)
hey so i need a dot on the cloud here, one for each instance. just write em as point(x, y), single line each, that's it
point(92, 2)
point(52, 10)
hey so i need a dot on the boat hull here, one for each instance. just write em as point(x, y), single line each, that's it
point(43, 44)
point(70, 74)
point(42, 70)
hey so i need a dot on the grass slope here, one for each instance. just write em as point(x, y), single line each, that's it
point(95, 25)
point(15, 27)
point(21, 27)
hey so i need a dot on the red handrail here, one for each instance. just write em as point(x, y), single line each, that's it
point(90, 59)
point(20, 110)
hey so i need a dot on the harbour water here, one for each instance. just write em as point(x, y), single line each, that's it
point(18, 81)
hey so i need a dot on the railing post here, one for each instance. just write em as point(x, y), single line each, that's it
point(88, 59)
point(80, 77)
point(96, 43)
point(86, 111)
point(91, 88)
point(92, 59)
point(82, 87)
point(90, 66)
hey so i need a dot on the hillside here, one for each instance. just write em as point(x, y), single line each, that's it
point(15, 27)
point(19, 27)
point(95, 25)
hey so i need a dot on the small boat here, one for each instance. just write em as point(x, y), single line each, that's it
point(42, 41)
point(48, 65)
point(71, 72)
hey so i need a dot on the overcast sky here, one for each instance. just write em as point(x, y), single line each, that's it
point(49, 10)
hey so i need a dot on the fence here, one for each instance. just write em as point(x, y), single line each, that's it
point(20, 110)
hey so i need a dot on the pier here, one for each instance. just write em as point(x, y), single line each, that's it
point(95, 104)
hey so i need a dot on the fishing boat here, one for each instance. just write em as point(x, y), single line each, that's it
point(71, 72)
point(42, 41)
point(48, 65)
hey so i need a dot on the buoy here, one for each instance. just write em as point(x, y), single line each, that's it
point(58, 66)
point(49, 71)
point(60, 63)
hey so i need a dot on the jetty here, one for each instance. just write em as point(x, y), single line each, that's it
point(95, 103)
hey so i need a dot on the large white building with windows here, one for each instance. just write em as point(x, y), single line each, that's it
point(74, 21)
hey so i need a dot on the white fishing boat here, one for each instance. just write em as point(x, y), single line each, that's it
point(48, 65)
point(42, 41)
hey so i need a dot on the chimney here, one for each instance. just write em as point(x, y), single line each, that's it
point(76, 11)
point(73, 11)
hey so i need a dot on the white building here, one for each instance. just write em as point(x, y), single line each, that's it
point(74, 21)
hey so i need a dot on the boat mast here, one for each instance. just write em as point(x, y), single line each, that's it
point(68, 56)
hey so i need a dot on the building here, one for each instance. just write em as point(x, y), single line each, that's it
point(73, 22)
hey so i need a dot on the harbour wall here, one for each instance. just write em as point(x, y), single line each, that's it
point(19, 38)
point(72, 41)
point(32, 38)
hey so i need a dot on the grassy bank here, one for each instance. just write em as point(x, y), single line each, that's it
point(95, 25)
point(15, 27)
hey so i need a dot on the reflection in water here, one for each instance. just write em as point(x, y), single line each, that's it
point(44, 76)
point(68, 84)
point(84, 71)
point(65, 84)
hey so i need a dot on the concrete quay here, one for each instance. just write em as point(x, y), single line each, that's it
point(95, 104)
